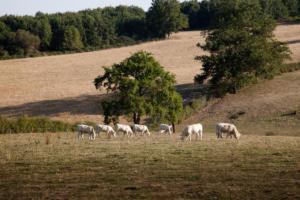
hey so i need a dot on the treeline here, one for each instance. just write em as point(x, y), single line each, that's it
point(84, 30)
point(202, 13)
point(22, 36)
point(88, 29)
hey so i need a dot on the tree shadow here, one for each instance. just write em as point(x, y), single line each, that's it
point(292, 42)
point(192, 91)
point(85, 105)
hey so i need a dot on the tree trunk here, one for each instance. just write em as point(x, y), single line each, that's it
point(134, 118)
point(173, 127)
point(138, 119)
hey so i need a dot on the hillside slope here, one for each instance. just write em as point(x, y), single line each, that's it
point(61, 86)
point(270, 107)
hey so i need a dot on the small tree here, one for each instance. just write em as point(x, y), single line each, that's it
point(165, 17)
point(141, 88)
point(242, 48)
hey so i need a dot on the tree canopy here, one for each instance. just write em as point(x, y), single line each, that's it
point(122, 25)
point(142, 88)
point(165, 17)
point(242, 47)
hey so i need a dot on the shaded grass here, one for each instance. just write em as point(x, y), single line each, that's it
point(159, 167)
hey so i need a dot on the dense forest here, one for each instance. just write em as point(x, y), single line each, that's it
point(23, 36)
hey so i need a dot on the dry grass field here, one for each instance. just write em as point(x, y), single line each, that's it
point(61, 86)
point(270, 107)
point(58, 166)
point(264, 164)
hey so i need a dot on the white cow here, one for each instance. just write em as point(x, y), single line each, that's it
point(137, 128)
point(229, 129)
point(196, 129)
point(105, 128)
point(125, 129)
point(82, 129)
point(165, 128)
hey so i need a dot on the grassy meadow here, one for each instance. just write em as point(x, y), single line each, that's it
point(58, 166)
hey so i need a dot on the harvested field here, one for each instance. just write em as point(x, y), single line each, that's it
point(61, 86)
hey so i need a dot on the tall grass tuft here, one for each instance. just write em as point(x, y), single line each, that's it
point(47, 139)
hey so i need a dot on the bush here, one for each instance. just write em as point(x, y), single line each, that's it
point(193, 106)
point(33, 125)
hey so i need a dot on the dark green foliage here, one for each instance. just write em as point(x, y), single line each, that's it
point(84, 30)
point(191, 9)
point(291, 67)
point(33, 125)
point(119, 26)
point(165, 17)
point(275, 8)
point(22, 43)
point(42, 28)
point(142, 88)
point(202, 13)
point(242, 47)
point(27, 41)
point(292, 7)
point(71, 39)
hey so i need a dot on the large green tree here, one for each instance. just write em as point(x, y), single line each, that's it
point(71, 39)
point(165, 17)
point(242, 47)
point(141, 87)
point(191, 9)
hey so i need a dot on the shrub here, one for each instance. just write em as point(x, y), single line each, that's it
point(33, 125)
point(193, 106)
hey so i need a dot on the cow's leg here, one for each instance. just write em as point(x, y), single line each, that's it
point(186, 138)
point(228, 135)
point(219, 134)
point(201, 135)
point(222, 135)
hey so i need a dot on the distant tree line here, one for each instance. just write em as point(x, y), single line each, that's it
point(88, 29)
point(22, 36)
point(202, 13)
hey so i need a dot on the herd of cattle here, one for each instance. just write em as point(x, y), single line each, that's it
point(229, 130)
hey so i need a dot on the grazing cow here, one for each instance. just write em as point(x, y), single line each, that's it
point(196, 129)
point(229, 129)
point(105, 128)
point(140, 129)
point(165, 128)
point(125, 129)
point(82, 129)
